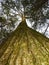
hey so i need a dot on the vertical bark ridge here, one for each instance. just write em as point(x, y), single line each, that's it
point(15, 53)
point(41, 47)
point(29, 46)
point(5, 46)
point(42, 42)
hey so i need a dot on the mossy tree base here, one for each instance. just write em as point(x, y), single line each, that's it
point(25, 47)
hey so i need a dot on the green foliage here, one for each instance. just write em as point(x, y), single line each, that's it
point(2, 20)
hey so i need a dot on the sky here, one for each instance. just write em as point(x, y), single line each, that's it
point(1, 0)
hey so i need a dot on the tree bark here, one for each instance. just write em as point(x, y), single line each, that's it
point(25, 47)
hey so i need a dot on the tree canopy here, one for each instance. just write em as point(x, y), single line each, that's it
point(33, 10)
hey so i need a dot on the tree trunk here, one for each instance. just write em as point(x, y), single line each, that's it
point(25, 47)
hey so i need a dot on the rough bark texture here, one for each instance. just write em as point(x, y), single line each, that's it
point(25, 47)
